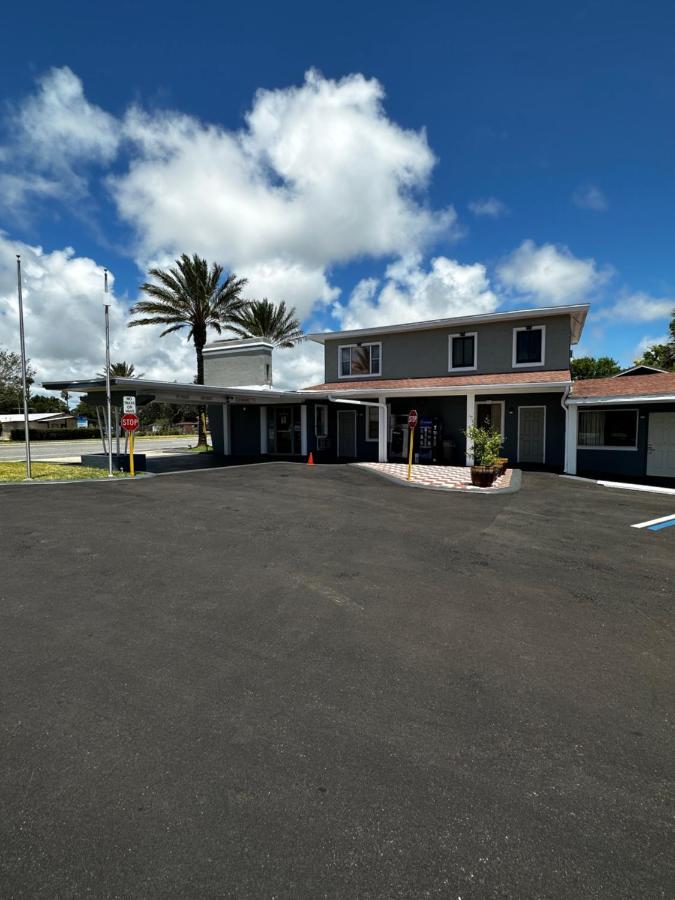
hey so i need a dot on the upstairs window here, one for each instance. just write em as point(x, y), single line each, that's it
point(359, 360)
point(463, 351)
point(528, 345)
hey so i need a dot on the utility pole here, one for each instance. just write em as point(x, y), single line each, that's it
point(24, 378)
point(107, 372)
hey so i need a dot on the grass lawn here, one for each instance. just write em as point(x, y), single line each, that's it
point(47, 471)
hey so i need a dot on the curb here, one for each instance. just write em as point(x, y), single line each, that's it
point(623, 485)
point(516, 483)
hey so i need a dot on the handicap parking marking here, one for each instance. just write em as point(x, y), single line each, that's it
point(656, 524)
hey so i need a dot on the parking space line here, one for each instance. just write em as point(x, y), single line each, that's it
point(656, 524)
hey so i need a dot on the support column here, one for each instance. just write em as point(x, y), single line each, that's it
point(263, 430)
point(303, 430)
point(470, 420)
point(227, 446)
point(382, 430)
point(571, 435)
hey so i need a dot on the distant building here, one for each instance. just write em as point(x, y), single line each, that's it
point(10, 422)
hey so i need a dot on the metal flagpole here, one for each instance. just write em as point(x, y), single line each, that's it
point(29, 473)
point(108, 423)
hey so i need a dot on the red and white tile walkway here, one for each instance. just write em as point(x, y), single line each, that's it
point(449, 477)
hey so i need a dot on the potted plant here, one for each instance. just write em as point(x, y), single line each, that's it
point(487, 443)
point(502, 464)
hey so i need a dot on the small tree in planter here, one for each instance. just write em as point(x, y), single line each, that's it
point(487, 443)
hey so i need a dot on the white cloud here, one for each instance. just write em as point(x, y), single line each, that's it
point(63, 312)
point(551, 274)
point(588, 196)
point(490, 207)
point(411, 294)
point(298, 366)
point(647, 342)
point(51, 134)
point(640, 307)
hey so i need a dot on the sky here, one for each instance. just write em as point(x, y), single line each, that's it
point(369, 163)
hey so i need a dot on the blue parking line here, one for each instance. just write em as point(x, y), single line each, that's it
point(662, 525)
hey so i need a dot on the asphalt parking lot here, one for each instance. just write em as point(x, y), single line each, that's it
point(282, 681)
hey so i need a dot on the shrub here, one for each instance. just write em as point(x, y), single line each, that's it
point(487, 442)
point(54, 434)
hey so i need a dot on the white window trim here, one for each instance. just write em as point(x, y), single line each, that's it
point(451, 337)
point(533, 406)
point(374, 440)
point(611, 448)
point(501, 403)
point(342, 347)
point(528, 365)
point(325, 407)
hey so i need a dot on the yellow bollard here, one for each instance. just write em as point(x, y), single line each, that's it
point(410, 452)
point(131, 455)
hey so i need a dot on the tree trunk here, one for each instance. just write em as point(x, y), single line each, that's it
point(201, 410)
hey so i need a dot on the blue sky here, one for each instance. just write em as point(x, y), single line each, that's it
point(526, 148)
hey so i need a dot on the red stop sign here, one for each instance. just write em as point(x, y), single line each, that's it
point(129, 422)
point(412, 418)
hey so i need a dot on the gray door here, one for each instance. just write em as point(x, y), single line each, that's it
point(661, 444)
point(346, 442)
point(531, 434)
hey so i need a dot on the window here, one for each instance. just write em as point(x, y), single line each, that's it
point(612, 429)
point(528, 345)
point(372, 423)
point(321, 421)
point(359, 360)
point(463, 351)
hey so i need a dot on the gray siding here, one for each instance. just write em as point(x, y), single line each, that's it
point(424, 354)
point(244, 368)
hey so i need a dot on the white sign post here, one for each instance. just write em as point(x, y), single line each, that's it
point(129, 405)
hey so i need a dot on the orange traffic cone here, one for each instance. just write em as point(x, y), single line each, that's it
point(310, 459)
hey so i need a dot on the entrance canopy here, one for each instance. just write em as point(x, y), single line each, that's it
point(147, 391)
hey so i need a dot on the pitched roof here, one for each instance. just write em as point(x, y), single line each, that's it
point(507, 379)
point(635, 386)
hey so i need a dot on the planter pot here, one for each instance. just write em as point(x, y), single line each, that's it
point(482, 476)
point(501, 464)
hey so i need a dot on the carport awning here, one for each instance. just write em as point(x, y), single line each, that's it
point(147, 391)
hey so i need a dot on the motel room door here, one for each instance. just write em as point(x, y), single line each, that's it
point(661, 444)
point(346, 437)
point(531, 434)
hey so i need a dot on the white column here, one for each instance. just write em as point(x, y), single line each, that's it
point(263, 430)
point(470, 420)
point(227, 448)
point(382, 431)
point(303, 430)
point(571, 434)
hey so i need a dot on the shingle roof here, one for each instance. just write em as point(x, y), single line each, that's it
point(635, 386)
point(450, 381)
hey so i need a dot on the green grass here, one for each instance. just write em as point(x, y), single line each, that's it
point(45, 471)
point(202, 449)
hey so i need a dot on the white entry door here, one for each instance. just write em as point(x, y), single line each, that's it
point(346, 442)
point(661, 444)
point(531, 434)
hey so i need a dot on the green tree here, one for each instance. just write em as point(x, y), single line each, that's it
point(122, 370)
point(11, 384)
point(590, 367)
point(272, 322)
point(43, 403)
point(661, 355)
point(190, 295)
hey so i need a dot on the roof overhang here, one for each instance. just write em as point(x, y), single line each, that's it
point(532, 387)
point(171, 392)
point(577, 314)
point(609, 401)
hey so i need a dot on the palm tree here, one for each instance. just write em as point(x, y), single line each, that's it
point(264, 319)
point(190, 295)
point(122, 370)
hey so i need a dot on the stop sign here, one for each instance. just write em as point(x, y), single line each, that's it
point(129, 422)
point(412, 418)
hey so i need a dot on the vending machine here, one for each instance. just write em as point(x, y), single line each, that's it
point(429, 440)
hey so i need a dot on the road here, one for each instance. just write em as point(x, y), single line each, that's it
point(307, 682)
point(15, 450)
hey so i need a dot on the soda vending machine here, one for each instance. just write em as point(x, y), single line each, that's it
point(429, 440)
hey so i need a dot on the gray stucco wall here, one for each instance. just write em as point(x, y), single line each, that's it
point(420, 354)
point(244, 368)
